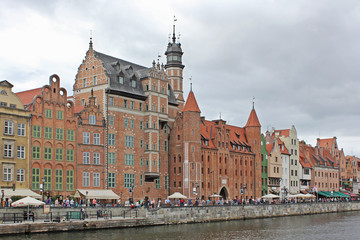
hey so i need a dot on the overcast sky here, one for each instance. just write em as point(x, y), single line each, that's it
point(299, 59)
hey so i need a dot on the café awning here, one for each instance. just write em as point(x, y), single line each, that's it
point(95, 194)
point(8, 192)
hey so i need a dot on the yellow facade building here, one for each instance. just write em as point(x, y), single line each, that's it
point(14, 142)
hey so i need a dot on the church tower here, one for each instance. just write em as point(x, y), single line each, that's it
point(175, 68)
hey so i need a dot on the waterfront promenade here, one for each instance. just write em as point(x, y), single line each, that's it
point(124, 217)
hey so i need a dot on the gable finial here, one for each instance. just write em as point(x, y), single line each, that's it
point(220, 115)
point(91, 43)
point(190, 78)
point(174, 37)
point(253, 103)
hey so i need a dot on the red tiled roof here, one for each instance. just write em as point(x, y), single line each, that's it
point(283, 132)
point(269, 148)
point(27, 97)
point(205, 132)
point(253, 120)
point(191, 104)
point(304, 163)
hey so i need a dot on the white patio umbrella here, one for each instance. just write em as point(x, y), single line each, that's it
point(300, 195)
point(270, 196)
point(308, 195)
point(27, 201)
point(177, 195)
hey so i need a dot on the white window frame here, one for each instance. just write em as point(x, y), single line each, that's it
point(96, 179)
point(20, 176)
point(21, 152)
point(8, 127)
point(8, 173)
point(86, 179)
point(21, 129)
point(96, 138)
point(96, 158)
point(86, 158)
point(8, 149)
point(86, 138)
point(92, 119)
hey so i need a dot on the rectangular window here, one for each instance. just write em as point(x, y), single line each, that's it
point(129, 159)
point(131, 104)
point(141, 162)
point(96, 179)
point(48, 113)
point(84, 82)
point(126, 123)
point(20, 177)
point(36, 152)
point(111, 158)
point(12, 105)
point(7, 174)
point(141, 143)
point(59, 134)
point(70, 155)
point(8, 150)
point(132, 123)
point(94, 80)
point(140, 107)
point(125, 103)
point(166, 184)
point(59, 154)
point(111, 139)
point(35, 179)
point(58, 179)
point(141, 180)
point(96, 138)
point(59, 115)
point(92, 119)
point(86, 158)
point(86, 179)
point(70, 135)
point(129, 180)
point(111, 101)
point(47, 153)
point(47, 176)
point(36, 132)
point(48, 132)
point(69, 180)
point(96, 158)
point(86, 138)
point(165, 145)
point(111, 178)
point(9, 127)
point(21, 129)
point(111, 120)
point(129, 141)
point(21, 152)
point(157, 183)
point(141, 124)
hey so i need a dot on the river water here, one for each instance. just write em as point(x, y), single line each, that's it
point(322, 226)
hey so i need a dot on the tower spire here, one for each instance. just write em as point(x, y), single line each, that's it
point(190, 83)
point(174, 37)
point(91, 43)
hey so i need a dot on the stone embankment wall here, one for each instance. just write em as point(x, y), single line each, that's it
point(175, 215)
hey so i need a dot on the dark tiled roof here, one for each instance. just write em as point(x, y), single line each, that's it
point(131, 71)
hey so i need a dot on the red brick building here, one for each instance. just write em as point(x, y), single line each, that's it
point(211, 157)
point(53, 138)
point(91, 151)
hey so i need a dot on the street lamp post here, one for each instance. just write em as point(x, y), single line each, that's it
point(42, 187)
point(120, 199)
point(244, 187)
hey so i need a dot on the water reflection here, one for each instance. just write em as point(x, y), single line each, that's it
point(323, 226)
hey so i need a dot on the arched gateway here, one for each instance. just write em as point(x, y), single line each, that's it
point(224, 193)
